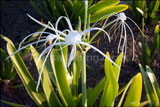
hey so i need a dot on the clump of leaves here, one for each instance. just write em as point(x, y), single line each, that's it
point(151, 86)
point(149, 12)
point(146, 55)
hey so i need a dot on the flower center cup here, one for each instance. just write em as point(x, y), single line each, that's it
point(73, 37)
point(122, 16)
point(50, 37)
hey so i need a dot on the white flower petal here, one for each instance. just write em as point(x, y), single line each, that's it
point(30, 36)
point(72, 54)
point(25, 47)
point(68, 22)
point(42, 53)
point(132, 38)
point(46, 25)
point(40, 74)
point(120, 38)
point(63, 60)
point(95, 28)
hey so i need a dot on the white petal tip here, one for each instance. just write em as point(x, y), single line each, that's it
point(37, 89)
point(7, 58)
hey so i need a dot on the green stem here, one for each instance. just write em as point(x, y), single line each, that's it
point(88, 26)
point(143, 24)
point(143, 45)
point(85, 17)
point(84, 93)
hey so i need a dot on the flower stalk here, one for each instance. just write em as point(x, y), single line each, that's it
point(84, 93)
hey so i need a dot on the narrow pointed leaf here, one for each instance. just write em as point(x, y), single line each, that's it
point(148, 87)
point(61, 79)
point(107, 11)
point(96, 92)
point(26, 77)
point(110, 95)
point(45, 80)
point(154, 84)
point(134, 94)
point(12, 104)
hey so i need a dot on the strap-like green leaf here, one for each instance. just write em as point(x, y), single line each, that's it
point(96, 92)
point(61, 79)
point(148, 87)
point(12, 104)
point(109, 95)
point(45, 80)
point(37, 9)
point(154, 84)
point(134, 94)
point(26, 77)
point(156, 43)
point(118, 62)
point(102, 5)
point(107, 11)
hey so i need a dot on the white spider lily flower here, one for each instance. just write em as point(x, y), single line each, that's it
point(73, 38)
point(120, 24)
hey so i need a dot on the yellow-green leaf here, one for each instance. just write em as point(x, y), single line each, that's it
point(134, 94)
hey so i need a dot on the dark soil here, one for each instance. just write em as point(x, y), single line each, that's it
point(16, 25)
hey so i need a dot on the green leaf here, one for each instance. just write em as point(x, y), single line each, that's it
point(37, 9)
point(154, 84)
point(26, 77)
point(153, 8)
point(107, 11)
point(5, 65)
point(61, 78)
point(134, 94)
point(102, 5)
point(79, 98)
point(12, 104)
point(45, 80)
point(76, 69)
point(148, 87)
point(6, 39)
point(156, 43)
point(124, 90)
point(18, 86)
point(118, 62)
point(109, 96)
point(75, 80)
point(96, 92)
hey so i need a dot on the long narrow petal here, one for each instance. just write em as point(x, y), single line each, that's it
point(63, 59)
point(99, 51)
point(49, 23)
point(40, 74)
point(105, 20)
point(25, 47)
point(125, 43)
point(136, 25)
point(42, 53)
point(125, 37)
point(112, 14)
point(46, 25)
point(72, 55)
point(95, 28)
point(68, 22)
point(120, 38)
point(30, 36)
point(132, 38)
